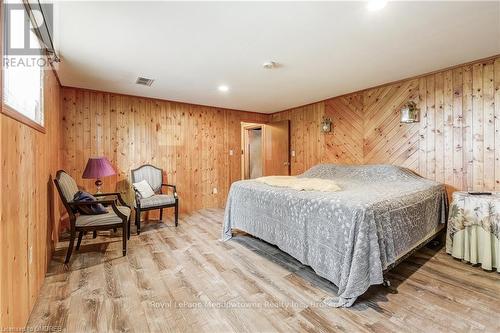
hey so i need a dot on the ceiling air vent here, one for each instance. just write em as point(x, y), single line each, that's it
point(144, 81)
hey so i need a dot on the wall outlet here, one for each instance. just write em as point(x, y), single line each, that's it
point(293, 153)
point(214, 191)
point(231, 152)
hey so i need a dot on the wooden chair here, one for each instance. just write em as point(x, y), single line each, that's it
point(117, 216)
point(154, 177)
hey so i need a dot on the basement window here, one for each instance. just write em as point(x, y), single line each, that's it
point(23, 70)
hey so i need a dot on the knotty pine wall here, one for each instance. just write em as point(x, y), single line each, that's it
point(191, 143)
point(456, 142)
point(29, 207)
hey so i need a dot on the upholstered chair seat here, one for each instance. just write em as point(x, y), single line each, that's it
point(103, 219)
point(157, 200)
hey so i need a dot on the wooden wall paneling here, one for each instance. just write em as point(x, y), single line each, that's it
point(440, 129)
point(386, 140)
point(468, 135)
point(87, 113)
point(297, 141)
point(431, 128)
point(458, 125)
point(497, 123)
point(380, 119)
point(106, 125)
point(477, 126)
point(190, 142)
point(447, 126)
point(422, 105)
point(345, 143)
point(94, 119)
point(489, 125)
point(3, 235)
point(205, 155)
point(67, 121)
point(110, 151)
point(303, 139)
point(211, 146)
point(312, 151)
point(16, 225)
point(188, 163)
point(179, 158)
point(79, 127)
point(373, 126)
point(306, 139)
point(28, 209)
point(118, 103)
point(222, 162)
point(320, 137)
point(218, 154)
point(133, 132)
point(28, 219)
point(233, 133)
point(165, 137)
point(311, 121)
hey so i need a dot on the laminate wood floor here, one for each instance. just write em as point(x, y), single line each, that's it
point(185, 280)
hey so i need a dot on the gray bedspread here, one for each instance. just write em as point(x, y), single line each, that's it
point(348, 237)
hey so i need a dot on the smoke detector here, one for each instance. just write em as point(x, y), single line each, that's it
point(270, 65)
point(144, 81)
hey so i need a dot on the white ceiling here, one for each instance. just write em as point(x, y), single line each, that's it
point(326, 48)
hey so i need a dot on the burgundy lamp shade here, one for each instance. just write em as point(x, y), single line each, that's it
point(98, 167)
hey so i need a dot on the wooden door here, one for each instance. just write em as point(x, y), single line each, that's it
point(276, 146)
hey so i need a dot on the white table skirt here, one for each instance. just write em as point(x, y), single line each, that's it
point(473, 229)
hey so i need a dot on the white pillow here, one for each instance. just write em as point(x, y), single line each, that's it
point(144, 189)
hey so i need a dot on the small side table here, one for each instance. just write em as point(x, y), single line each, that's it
point(473, 233)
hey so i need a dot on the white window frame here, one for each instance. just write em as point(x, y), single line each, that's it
point(38, 120)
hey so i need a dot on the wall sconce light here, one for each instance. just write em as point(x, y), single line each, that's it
point(409, 113)
point(326, 125)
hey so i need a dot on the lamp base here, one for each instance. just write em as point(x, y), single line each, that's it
point(98, 184)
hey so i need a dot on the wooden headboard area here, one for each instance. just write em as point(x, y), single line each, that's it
point(454, 142)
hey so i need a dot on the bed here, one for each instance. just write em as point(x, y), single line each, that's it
point(350, 237)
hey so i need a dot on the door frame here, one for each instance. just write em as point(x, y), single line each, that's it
point(245, 142)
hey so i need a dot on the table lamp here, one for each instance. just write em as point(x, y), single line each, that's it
point(97, 168)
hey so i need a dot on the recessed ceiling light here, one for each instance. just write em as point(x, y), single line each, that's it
point(376, 4)
point(223, 88)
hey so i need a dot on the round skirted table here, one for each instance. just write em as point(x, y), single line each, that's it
point(473, 233)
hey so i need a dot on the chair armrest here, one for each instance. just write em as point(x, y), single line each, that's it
point(104, 202)
point(89, 203)
point(117, 212)
point(172, 186)
point(116, 194)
